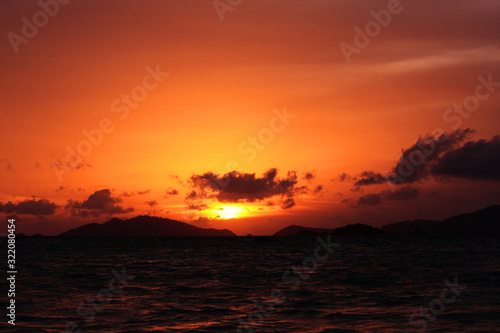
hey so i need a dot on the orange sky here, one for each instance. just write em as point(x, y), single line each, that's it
point(227, 81)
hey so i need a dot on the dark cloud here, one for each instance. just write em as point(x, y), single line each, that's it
point(372, 199)
point(401, 194)
point(288, 203)
point(369, 178)
point(344, 177)
point(74, 164)
point(152, 203)
point(425, 158)
point(31, 207)
point(245, 187)
point(416, 162)
point(61, 188)
point(474, 160)
point(318, 189)
point(300, 190)
point(126, 194)
point(193, 195)
point(98, 203)
point(197, 206)
point(309, 175)
point(171, 191)
point(237, 187)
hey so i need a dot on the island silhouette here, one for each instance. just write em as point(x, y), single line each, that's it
point(143, 226)
point(482, 222)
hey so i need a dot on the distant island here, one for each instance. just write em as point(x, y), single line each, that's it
point(348, 230)
point(482, 222)
point(143, 226)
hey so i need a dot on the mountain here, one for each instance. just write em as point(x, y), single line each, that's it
point(348, 230)
point(295, 230)
point(358, 229)
point(143, 226)
point(482, 222)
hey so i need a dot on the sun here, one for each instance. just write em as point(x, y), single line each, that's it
point(230, 212)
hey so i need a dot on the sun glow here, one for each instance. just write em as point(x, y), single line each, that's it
point(230, 212)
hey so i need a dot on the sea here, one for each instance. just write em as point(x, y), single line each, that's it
point(255, 284)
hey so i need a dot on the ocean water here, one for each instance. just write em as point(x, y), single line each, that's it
point(211, 284)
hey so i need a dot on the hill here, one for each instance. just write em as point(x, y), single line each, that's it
point(348, 230)
point(143, 226)
point(482, 222)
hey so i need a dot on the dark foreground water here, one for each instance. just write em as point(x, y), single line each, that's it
point(211, 284)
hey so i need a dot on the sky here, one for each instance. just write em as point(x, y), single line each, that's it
point(248, 115)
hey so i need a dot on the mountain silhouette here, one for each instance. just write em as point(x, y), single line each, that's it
point(348, 230)
point(295, 230)
point(482, 222)
point(143, 226)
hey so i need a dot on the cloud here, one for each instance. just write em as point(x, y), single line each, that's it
point(98, 203)
point(369, 178)
point(477, 160)
point(405, 193)
point(31, 207)
point(372, 199)
point(416, 162)
point(197, 206)
point(318, 189)
point(171, 191)
point(193, 195)
point(401, 194)
point(344, 177)
point(309, 175)
point(61, 188)
point(75, 164)
point(425, 158)
point(237, 187)
point(288, 203)
point(245, 187)
point(126, 194)
point(152, 203)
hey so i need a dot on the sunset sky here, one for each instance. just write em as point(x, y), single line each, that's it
point(251, 116)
